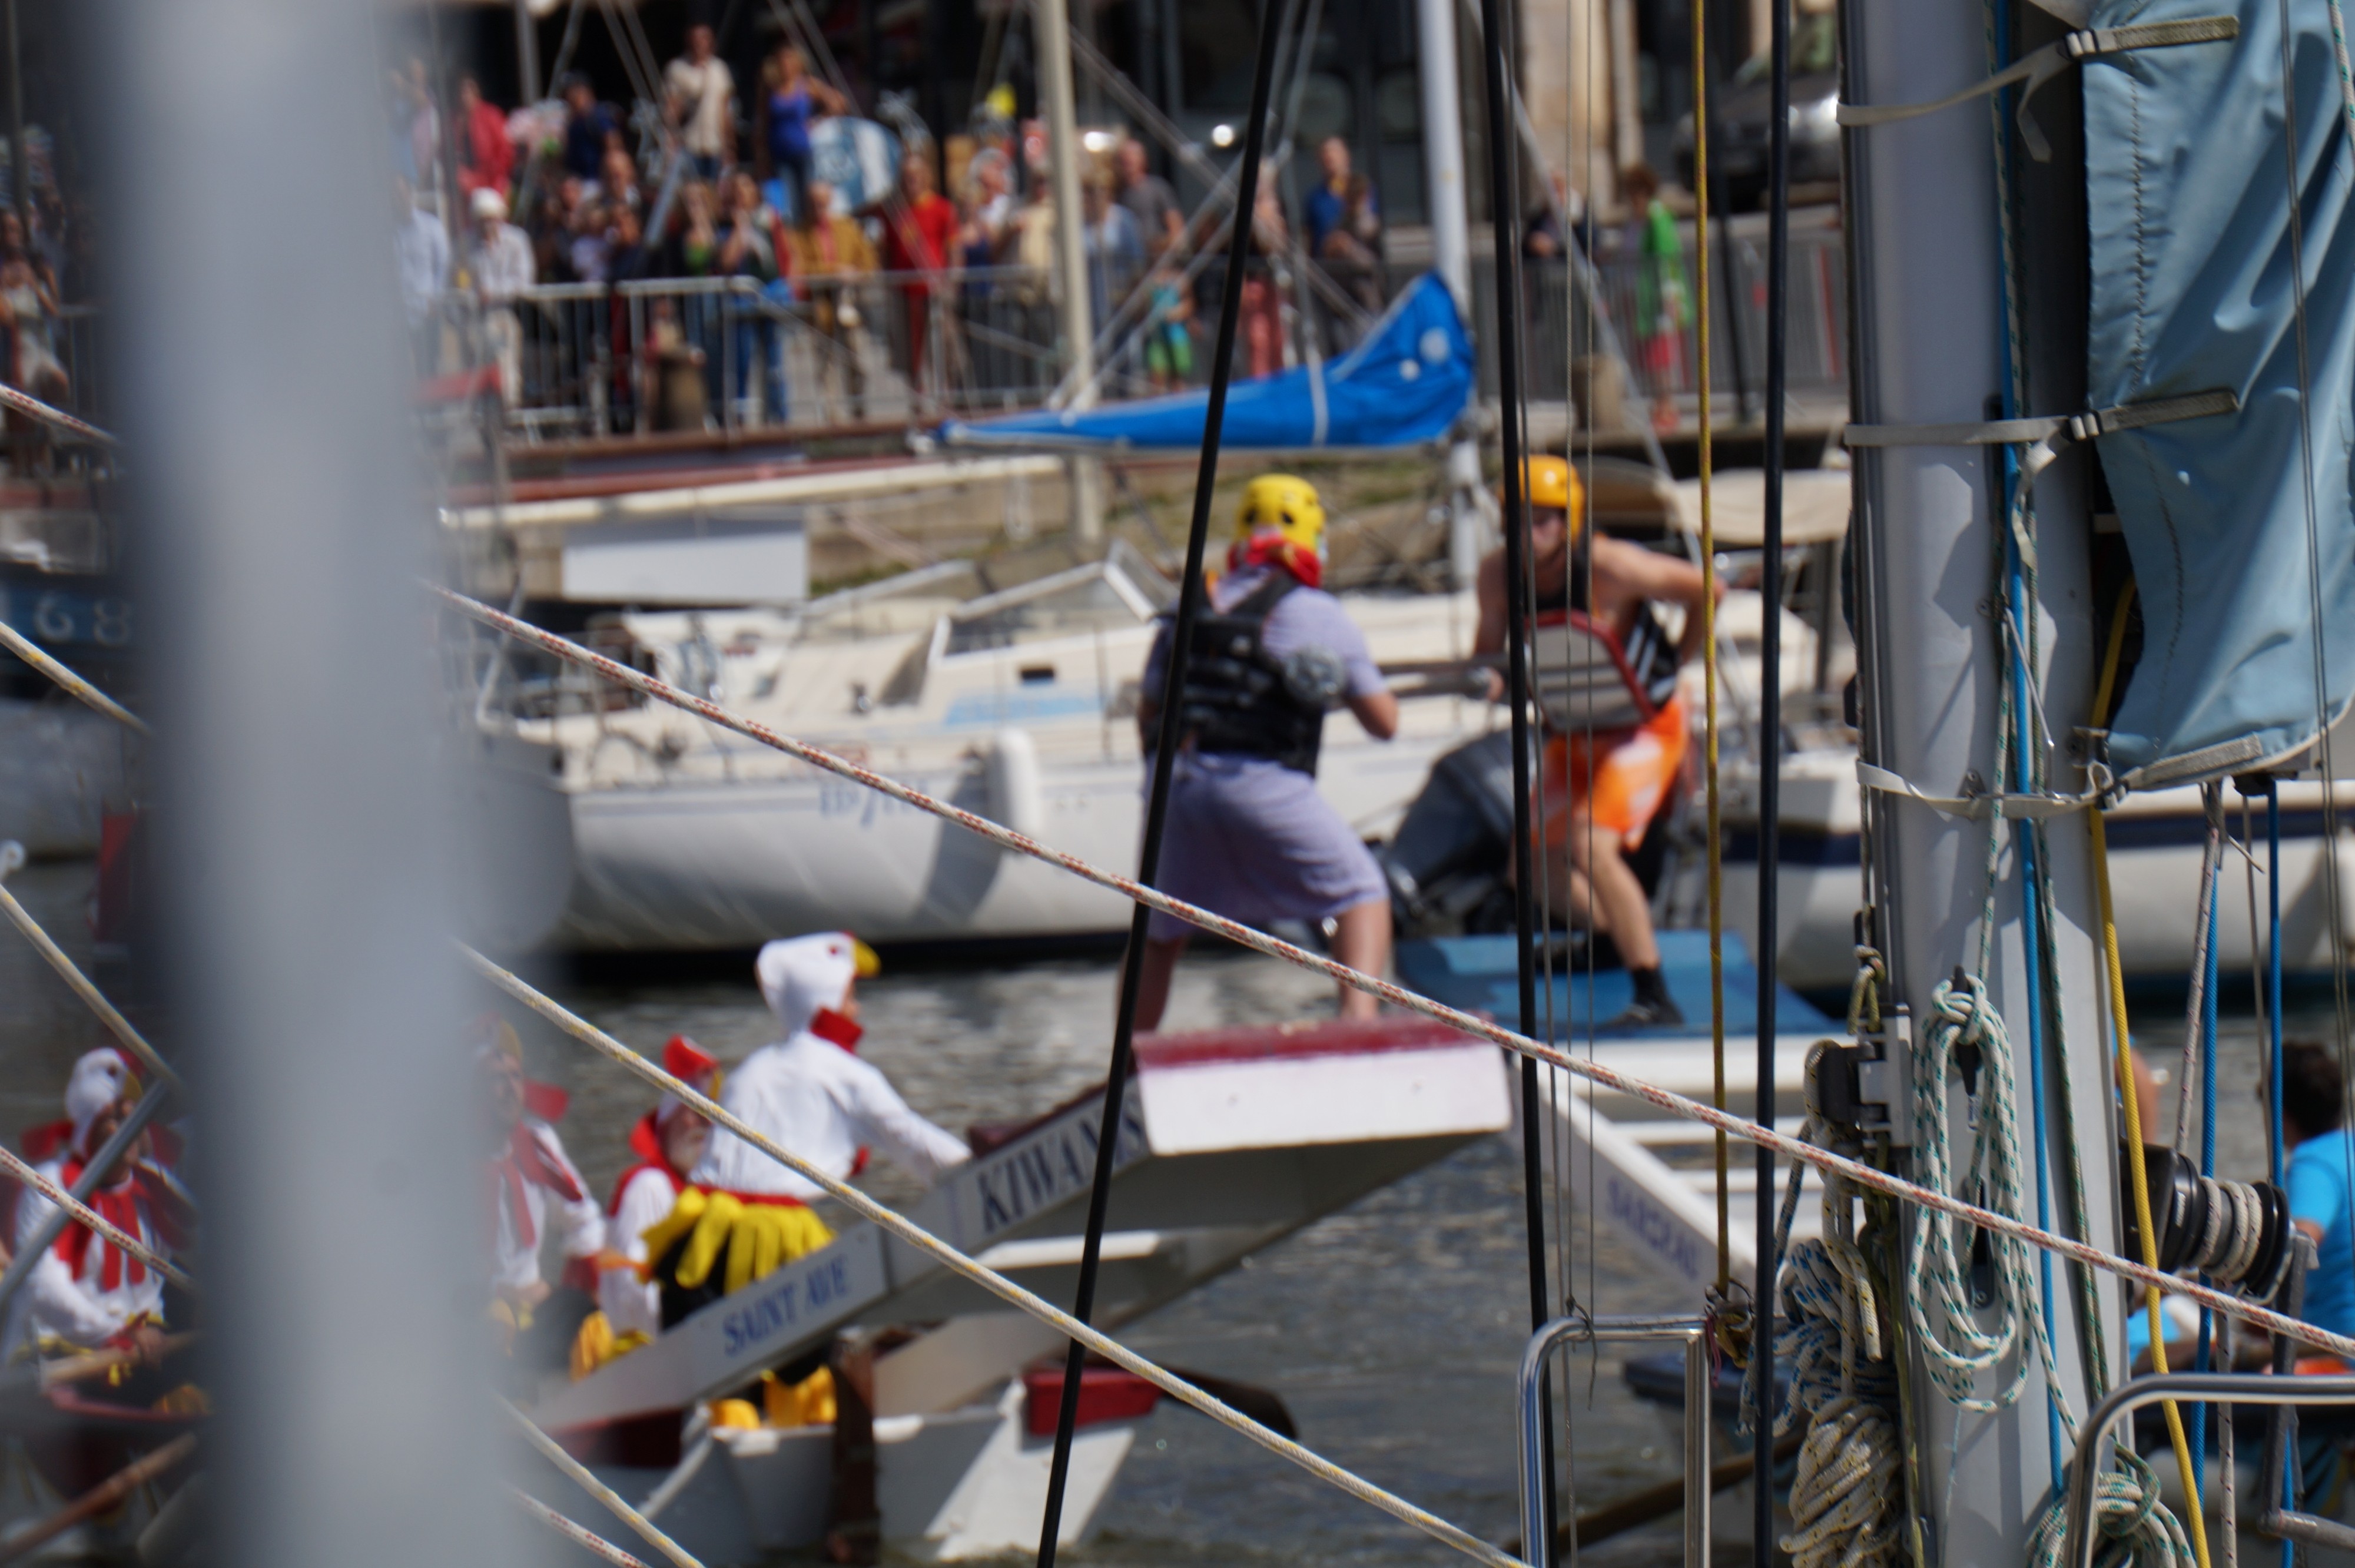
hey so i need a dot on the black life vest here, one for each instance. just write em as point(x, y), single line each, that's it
point(1236, 699)
point(1650, 652)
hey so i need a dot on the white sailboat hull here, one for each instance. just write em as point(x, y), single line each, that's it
point(688, 837)
point(2154, 850)
point(729, 865)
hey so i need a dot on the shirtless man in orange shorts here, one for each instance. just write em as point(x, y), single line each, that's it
point(1602, 788)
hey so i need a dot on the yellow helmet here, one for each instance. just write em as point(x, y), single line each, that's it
point(1551, 485)
point(1285, 502)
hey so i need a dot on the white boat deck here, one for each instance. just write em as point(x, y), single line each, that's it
point(1653, 1179)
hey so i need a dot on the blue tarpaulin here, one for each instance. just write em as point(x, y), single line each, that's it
point(2188, 186)
point(1404, 383)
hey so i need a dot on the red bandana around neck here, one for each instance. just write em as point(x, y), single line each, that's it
point(135, 1207)
point(522, 1161)
point(1275, 549)
point(830, 1025)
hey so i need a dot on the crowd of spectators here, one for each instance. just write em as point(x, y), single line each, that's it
point(49, 280)
point(714, 182)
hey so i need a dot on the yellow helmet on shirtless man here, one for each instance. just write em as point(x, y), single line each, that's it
point(1551, 485)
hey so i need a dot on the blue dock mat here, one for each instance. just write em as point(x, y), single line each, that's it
point(1478, 974)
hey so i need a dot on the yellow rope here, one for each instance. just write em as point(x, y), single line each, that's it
point(1709, 652)
point(2198, 1523)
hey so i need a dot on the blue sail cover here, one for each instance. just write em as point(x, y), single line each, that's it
point(2188, 182)
point(1404, 383)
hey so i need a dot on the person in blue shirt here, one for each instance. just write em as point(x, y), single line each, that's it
point(2321, 1180)
point(1328, 203)
point(587, 126)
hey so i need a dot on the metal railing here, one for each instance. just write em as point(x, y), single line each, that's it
point(735, 353)
point(1560, 335)
point(2219, 1388)
point(731, 354)
point(75, 337)
point(1693, 1332)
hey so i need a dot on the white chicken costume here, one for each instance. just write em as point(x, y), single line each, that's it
point(809, 1092)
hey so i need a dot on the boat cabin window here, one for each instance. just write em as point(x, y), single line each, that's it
point(894, 606)
point(1103, 597)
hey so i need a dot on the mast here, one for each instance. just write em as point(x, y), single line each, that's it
point(1053, 24)
point(1929, 335)
point(1451, 254)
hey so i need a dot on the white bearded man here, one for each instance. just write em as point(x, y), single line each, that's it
point(669, 1141)
point(810, 1094)
point(85, 1292)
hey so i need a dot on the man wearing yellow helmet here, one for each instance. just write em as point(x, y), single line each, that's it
point(1248, 836)
point(1602, 788)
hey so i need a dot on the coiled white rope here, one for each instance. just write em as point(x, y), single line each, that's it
point(1956, 1349)
point(2134, 1526)
point(1847, 1493)
point(1846, 1498)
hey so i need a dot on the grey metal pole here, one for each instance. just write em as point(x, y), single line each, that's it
point(1468, 534)
point(2224, 1388)
point(303, 910)
point(1051, 34)
point(1530, 1429)
point(527, 53)
point(1442, 148)
point(1928, 333)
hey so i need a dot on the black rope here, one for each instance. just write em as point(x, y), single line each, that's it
point(1770, 768)
point(1157, 816)
point(1505, 204)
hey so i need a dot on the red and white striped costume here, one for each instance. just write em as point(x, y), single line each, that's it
point(534, 1187)
point(85, 1290)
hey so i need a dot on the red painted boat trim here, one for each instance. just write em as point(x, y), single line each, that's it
point(1280, 1042)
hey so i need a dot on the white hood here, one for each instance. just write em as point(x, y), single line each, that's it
point(801, 976)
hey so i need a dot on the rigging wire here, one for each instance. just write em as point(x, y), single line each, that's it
point(1770, 761)
point(2276, 1156)
point(2213, 798)
point(1181, 632)
point(2320, 639)
point(2019, 646)
point(2256, 927)
point(1712, 806)
point(2123, 1062)
point(2335, 933)
point(1504, 199)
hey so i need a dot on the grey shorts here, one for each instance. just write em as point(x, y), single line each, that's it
point(1251, 839)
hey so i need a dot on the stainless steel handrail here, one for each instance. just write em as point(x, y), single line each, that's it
point(2219, 1388)
point(1536, 1546)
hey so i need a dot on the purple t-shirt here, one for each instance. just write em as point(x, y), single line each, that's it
point(1304, 618)
point(1250, 837)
